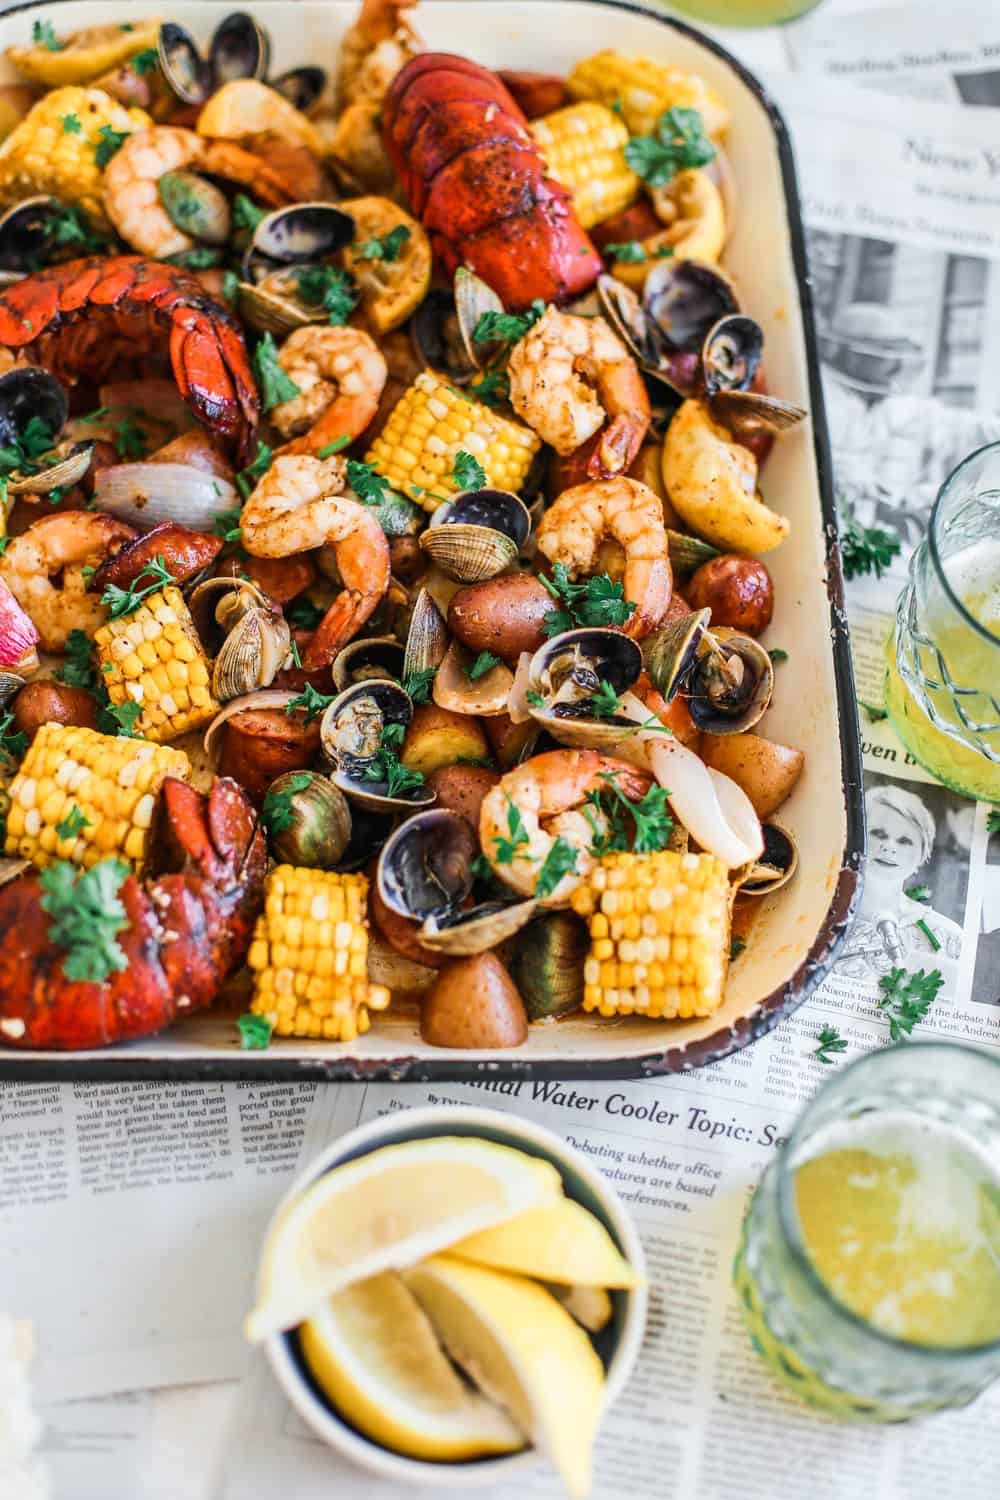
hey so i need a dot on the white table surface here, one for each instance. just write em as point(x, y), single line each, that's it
point(188, 1433)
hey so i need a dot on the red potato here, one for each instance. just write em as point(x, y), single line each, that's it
point(462, 788)
point(473, 1003)
point(261, 744)
point(50, 702)
point(536, 94)
point(765, 770)
point(509, 741)
point(738, 591)
point(401, 932)
point(503, 615)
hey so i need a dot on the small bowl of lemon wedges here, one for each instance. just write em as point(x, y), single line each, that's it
point(449, 1292)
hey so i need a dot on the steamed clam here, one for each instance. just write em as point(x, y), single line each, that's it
point(426, 639)
point(443, 328)
point(546, 964)
point(33, 410)
point(286, 244)
point(477, 534)
point(575, 681)
point(318, 827)
point(729, 687)
point(240, 48)
point(362, 732)
point(364, 660)
point(670, 653)
point(255, 635)
point(462, 688)
point(776, 865)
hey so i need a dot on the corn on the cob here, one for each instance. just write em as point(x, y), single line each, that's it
point(82, 56)
point(99, 790)
point(643, 89)
point(582, 145)
point(659, 934)
point(42, 155)
point(154, 658)
point(310, 955)
point(429, 425)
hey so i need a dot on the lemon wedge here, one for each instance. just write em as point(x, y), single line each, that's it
point(373, 1351)
point(556, 1241)
point(524, 1352)
point(387, 1210)
point(588, 1305)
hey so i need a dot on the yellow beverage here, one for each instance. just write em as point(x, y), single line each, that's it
point(973, 660)
point(908, 1239)
point(744, 12)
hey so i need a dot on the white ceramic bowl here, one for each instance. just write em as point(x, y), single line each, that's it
point(618, 1344)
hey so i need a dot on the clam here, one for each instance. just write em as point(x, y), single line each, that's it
point(361, 724)
point(369, 832)
point(256, 636)
point(456, 689)
point(776, 865)
point(571, 675)
point(273, 305)
point(730, 684)
point(27, 234)
point(29, 392)
point(362, 661)
point(730, 355)
point(240, 48)
point(425, 873)
point(473, 299)
point(186, 72)
point(196, 206)
point(444, 325)
point(296, 235)
point(546, 964)
point(65, 465)
point(477, 534)
point(11, 684)
point(748, 413)
point(685, 299)
point(301, 86)
point(319, 831)
point(426, 639)
point(670, 653)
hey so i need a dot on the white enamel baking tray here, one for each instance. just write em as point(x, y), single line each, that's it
point(796, 935)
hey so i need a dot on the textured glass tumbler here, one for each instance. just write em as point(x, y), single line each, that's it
point(813, 1343)
point(942, 686)
point(744, 12)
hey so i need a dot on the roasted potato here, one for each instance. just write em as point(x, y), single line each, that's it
point(503, 615)
point(437, 737)
point(462, 788)
point(473, 1003)
point(647, 467)
point(712, 483)
point(765, 770)
point(738, 591)
point(50, 702)
point(509, 741)
point(260, 744)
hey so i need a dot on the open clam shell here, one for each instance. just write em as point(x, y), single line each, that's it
point(477, 534)
point(477, 930)
point(776, 866)
point(676, 369)
point(425, 868)
point(747, 413)
point(731, 353)
point(485, 695)
point(685, 299)
point(437, 337)
point(269, 310)
point(252, 654)
point(670, 653)
point(568, 682)
point(352, 731)
point(27, 233)
point(301, 86)
point(240, 48)
point(296, 235)
point(427, 638)
point(28, 392)
point(729, 688)
point(72, 460)
point(368, 660)
point(474, 298)
point(187, 73)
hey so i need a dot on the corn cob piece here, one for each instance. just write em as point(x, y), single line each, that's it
point(643, 89)
point(82, 796)
point(82, 56)
point(659, 934)
point(309, 955)
point(429, 425)
point(582, 145)
point(42, 156)
point(154, 658)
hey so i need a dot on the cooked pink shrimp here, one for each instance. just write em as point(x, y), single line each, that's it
point(542, 800)
point(340, 373)
point(628, 513)
point(45, 569)
point(300, 505)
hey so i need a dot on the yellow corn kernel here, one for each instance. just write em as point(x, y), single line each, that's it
point(164, 669)
point(642, 89)
point(583, 149)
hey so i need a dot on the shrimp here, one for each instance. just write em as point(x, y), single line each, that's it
point(629, 513)
point(131, 196)
point(566, 375)
point(300, 505)
point(44, 570)
point(373, 51)
point(340, 373)
point(542, 800)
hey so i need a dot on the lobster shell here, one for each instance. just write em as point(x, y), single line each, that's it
point(473, 174)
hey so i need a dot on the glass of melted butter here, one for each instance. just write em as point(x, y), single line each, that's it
point(869, 1263)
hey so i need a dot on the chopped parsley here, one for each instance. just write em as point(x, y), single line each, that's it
point(605, 703)
point(275, 386)
point(71, 124)
point(535, 699)
point(830, 1042)
point(560, 861)
point(907, 997)
point(484, 662)
point(230, 286)
point(778, 654)
point(130, 439)
point(77, 669)
point(246, 214)
point(468, 474)
point(678, 143)
point(366, 482)
point(630, 252)
point(867, 549)
point(329, 288)
point(993, 820)
point(293, 651)
point(43, 35)
point(111, 141)
point(492, 390)
point(145, 61)
point(737, 946)
point(329, 449)
point(505, 847)
point(930, 935)
point(87, 916)
point(73, 823)
point(653, 823)
point(418, 684)
point(919, 893)
point(388, 248)
point(310, 703)
point(248, 477)
point(228, 525)
point(504, 327)
point(386, 765)
point(13, 743)
point(255, 1032)
point(276, 812)
point(303, 613)
point(122, 602)
point(69, 227)
point(597, 601)
point(120, 719)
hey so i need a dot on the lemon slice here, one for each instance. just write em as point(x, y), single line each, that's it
point(374, 1353)
point(524, 1351)
point(384, 1211)
point(557, 1241)
point(588, 1305)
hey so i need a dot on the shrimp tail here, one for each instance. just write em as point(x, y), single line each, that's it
point(618, 446)
point(340, 624)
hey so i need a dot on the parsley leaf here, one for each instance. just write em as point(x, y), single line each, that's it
point(872, 712)
point(678, 143)
point(87, 916)
point(12, 743)
point(71, 124)
point(386, 765)
point(468, 474)
point(493, 327)
point(228, 525)
point(77, 669)
point(122, 716)
point(388, 248)
point(866, 549)
point(130, 439)
point(255, 1032)
point(484, 662)
point(560, 861)
point(145, 61)
point(993, 820)
point(329, 449)
point(919, 893)
point(605, 703)
point(276, 812)
point(492, 390)
point(930, 935)
point(69, 227)
point(630, 252)
point(310, 703)
point(274, 385)
point(653, 824)
point(329, 288)
point(366, 482)
point(830, 1041)
point(505, 848)
point(303, 613)
point(418, 684)
point(907, 997)
point(247, 478)
point(778, 654)
point(598, 601)
point(535, 699)
point(737, 946)
point(122, 602)
point(246, 214)
point(73, 823)
point(43, 35)
point(111, 140)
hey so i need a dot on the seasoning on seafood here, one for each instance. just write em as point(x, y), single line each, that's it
point(45, 570)
point(339, 374)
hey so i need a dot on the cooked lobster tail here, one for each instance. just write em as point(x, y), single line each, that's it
point(473, 174)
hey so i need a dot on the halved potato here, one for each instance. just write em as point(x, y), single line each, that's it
point(82, 56)
point(765, 770)
point(712, 483)
point(437, 737)
point(392, 286)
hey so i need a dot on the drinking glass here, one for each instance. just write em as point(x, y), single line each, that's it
point(931, 1098)
point(942, 687)
point(744, 12)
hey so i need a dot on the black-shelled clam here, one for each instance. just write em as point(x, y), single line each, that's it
point(776, 865)
point(240, 48)
point(367, 660)
point(444, 326)
point(731, 353)
point(477, 534)
point(670, 652)
point(729, 687)
point(569, 681)
point(357, 728)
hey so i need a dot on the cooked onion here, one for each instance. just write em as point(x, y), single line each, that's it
point(517, 703)
point(147, 494)
point(713, 809)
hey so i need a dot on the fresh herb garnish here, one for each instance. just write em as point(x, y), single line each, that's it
point(122, 602)
point(276, 812)
point(907, 997)
point(480, 868)
point(246, 214)
point(366, 482)
point(467, 473)
point(310, 703)
point(255, 1032)
point(919, 893)
point(629, 252)
point(69, 227)
point(77, 668)
point(228, 525)
point(867, 549)
point(329, 288)
point(87, 916)
point(678, 143)
point(73, 823)
point(388, 248)
point(492, 390)
point(43, 35)
point(293, 651)
point(484, 662)
point(505, 848)
point(476, 760)
point(778, 654)
point(111, 141)
point(13, 743)
point(329, 449)
point(418, 684)
point(993, 820)
point(130, 439)
point(496, 327)
point(597, 601)
point(249, 476)
point(274, 384)
point(737, 945)
point(605, 703)
point(930, 935)
point(230, 286)
point(653, 824)
point(303, 613)
point(872, 711)
point(145, 61)
point(830, 1042)
point(71, 124)
point(560, 861)
point(535, 699)
point(120, 719)
point(386, 765)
